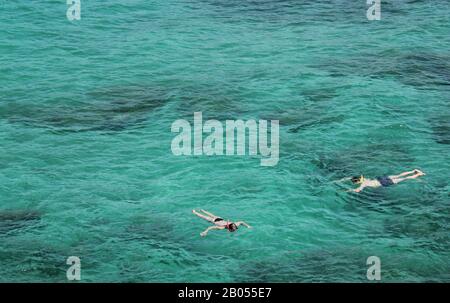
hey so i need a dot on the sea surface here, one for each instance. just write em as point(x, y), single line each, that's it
point(86, 168)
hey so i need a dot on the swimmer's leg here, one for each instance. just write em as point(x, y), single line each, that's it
point(403, 174)
point(209, 214)
point(203, 216)
point(398, 180)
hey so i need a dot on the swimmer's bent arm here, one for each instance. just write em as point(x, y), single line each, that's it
point(210, 228)
point(360, 188)
point(357, 190)
point(243, 223)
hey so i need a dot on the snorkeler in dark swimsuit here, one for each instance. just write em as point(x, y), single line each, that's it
point(219, 223)
point(385, 180)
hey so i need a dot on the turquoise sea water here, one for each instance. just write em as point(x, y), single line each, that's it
point(85, 162)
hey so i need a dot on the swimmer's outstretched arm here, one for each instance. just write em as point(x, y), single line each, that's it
point(243, 223)
point(342, 180)
point(210, 228)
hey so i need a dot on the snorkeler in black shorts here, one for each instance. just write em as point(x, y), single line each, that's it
point(384, 180)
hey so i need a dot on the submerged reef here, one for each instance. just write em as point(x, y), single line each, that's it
point(107, 109)
point(17, 220)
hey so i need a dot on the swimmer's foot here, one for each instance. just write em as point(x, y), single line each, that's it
point(419, 172)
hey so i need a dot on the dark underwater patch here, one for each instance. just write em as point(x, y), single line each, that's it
point(291, 11)
point(339, 164)
point(321, 94)
point(344, 264)
point(422, 216)
point(313, 111)
point(47, 263)
point(393, 8)
point(314, 266)
point(37, 264)
point(440, 127)
point(17, 220)
point(306, 12)
point(420, 70)
point(214, 101)
point(424, 70)
point(107, 109)
point(148, 228)
point(318, 122)
point(353, 161)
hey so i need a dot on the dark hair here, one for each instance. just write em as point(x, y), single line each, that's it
point(232, 227)
point(356, 179)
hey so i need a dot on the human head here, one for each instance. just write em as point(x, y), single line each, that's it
point(232, 227)
point(357, 179)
